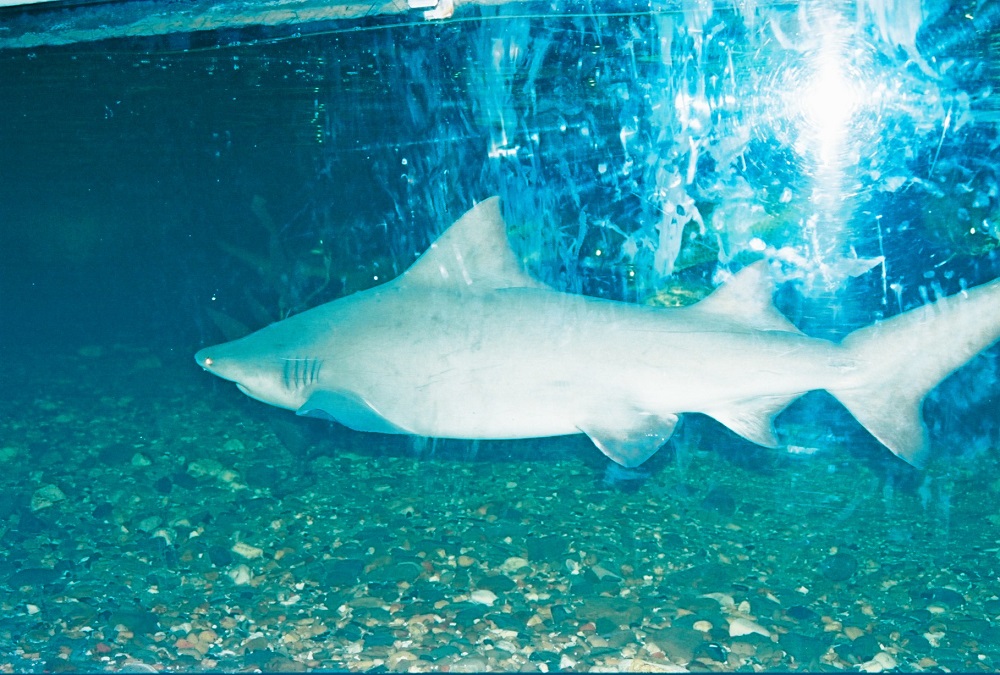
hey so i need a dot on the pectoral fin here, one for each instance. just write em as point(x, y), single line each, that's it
point(349, 409)
point(632, 446)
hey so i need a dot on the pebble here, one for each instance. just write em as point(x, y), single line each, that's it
point(46, 496)
point(240, 574)
point(497, 583)
point(400, 660)
point(246, 550)
point(483, 597)
point(340, 573)
point(469, 664)
point(547, 547)
point(801, 613)
point(148, 524)
point(136, 619)
point(741, 626)
point(513, 564)
point(676, 642)
point(201, 468)
point(862, 648)
point(943, 596)
point(853, 632)
point(445, 595)
point(220, 556)
point(642, 666)
point(619, 611)
point(403, 571)
point(234, 445)
point(880, 662)
point(231, 478)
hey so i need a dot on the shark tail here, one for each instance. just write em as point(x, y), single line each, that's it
point(899, 360)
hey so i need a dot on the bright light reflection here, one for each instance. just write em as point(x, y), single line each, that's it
point(830, 95)
point(829, 102)
point(825, 96)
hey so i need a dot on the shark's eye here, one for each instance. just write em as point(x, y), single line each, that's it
point(208, 361)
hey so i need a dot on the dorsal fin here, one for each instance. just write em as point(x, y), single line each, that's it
point(746, 299)
point(472, 253)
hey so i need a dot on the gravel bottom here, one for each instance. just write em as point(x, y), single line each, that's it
point(153, 518)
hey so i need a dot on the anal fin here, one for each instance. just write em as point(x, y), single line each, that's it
point(754, 419)
point(632, 446)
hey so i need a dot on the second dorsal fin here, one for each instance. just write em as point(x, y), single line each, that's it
point(746, 299)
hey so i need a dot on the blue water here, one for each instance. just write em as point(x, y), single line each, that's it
point(163, 194)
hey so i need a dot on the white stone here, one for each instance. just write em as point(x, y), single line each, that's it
point(513, 564)
point(725, 600)
point(741, 626)
point(483, 597)
point(872, 666)
point(246, 550)
point(240, 574)
point(886, 660)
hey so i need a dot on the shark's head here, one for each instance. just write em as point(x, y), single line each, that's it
point(268, 377)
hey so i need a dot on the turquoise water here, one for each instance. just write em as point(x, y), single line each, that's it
point(160, 196)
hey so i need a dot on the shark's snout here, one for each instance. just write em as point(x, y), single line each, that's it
point(204, 359)
point(209, 360)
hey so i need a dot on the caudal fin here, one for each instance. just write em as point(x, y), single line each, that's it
point(898, 361)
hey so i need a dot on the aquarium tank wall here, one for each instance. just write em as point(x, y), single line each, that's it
point(568, 336)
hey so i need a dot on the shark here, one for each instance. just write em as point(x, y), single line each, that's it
point(465, 344)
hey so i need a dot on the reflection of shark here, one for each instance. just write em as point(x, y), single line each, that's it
point(466, 345)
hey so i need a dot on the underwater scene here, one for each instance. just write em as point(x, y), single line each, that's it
point(547, 337)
